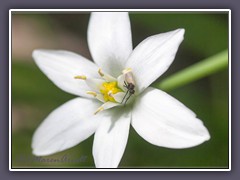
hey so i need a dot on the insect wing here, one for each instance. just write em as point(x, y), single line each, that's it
point(129, 78)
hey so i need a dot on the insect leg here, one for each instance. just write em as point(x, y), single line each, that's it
point(125, 96)
point(125, 84)
point(127, 99)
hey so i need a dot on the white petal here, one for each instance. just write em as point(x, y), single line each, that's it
point(100, 97)
point(119, 96)
point(107, 105)
point(121, 80)
point(66, 126)
point(94, 84)
point(164, 121)
point(107, 77)
point(152, 57)
point(111, 138)
point(110, 40)
point(62, 66)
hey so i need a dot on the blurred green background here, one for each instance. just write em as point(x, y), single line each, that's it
point(34, 96)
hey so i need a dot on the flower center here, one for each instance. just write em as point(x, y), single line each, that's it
point(109, 88)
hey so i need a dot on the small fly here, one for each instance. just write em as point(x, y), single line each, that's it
point(130, 85)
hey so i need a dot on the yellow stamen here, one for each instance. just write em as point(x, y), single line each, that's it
point(99, 110)
point(109, 88)
point(92, 93)
point(100, 72)
point(126, 70)
point(80, 77)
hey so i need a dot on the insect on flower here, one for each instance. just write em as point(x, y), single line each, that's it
point(129, 83)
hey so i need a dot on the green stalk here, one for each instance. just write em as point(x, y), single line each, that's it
point(192, 73)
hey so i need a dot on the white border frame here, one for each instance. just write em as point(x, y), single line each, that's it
point(129, 10)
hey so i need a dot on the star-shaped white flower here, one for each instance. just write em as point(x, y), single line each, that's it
point(115, 93)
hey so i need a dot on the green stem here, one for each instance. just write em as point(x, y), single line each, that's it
point(192, 73)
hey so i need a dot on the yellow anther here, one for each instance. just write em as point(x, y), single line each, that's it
point(106, 76)
point(99, 110)
point(100, 72)
point(80, 77)
point(127, 70)
point(92, 93)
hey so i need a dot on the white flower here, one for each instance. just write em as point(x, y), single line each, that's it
point(101, 108)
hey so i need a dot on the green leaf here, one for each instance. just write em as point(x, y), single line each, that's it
point(192, 73)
